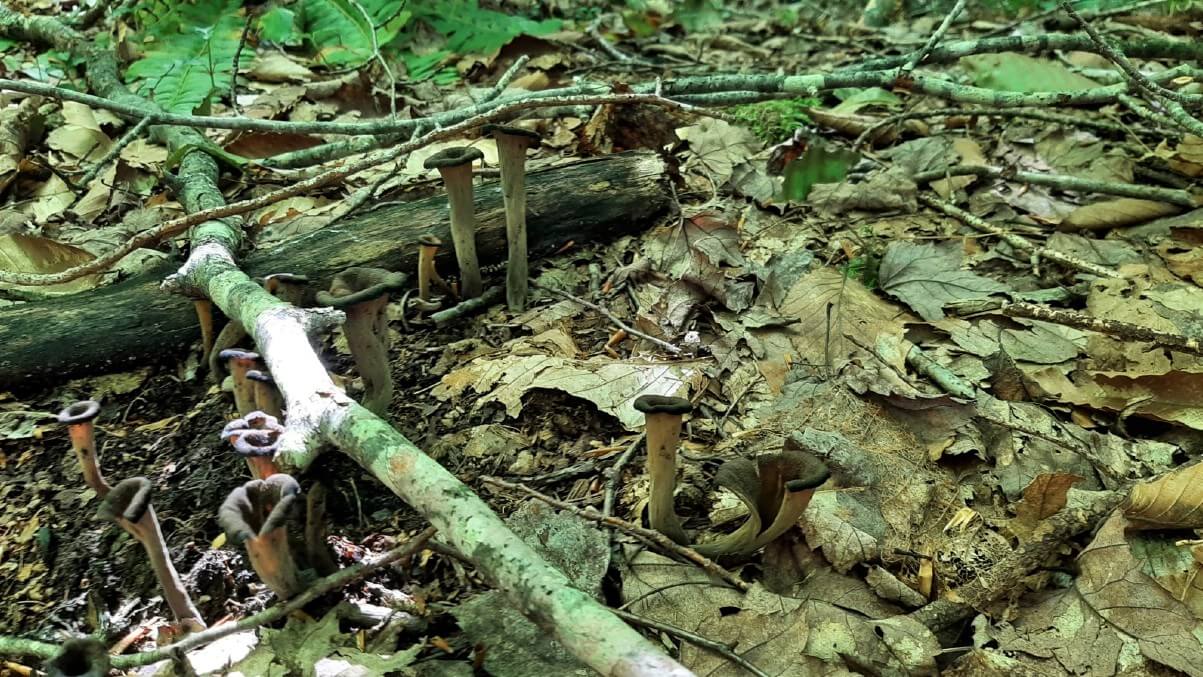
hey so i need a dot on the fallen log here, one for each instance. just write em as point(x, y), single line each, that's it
point(133, 321)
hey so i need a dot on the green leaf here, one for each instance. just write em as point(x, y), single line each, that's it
point(1011, 72)
point(925, 277)
point(341, 31)
point(421, 67)
point(854, 100)
point(190, 58)
point(472, 30)
point(819, 164)
point(279, 25)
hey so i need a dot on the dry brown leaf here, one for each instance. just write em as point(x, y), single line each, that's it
point(1117, 214)
point(1043, 498)
point(1174, 500)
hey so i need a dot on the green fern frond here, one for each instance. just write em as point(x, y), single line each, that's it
point(340, 32)
point(190, 57)
point(469, 29)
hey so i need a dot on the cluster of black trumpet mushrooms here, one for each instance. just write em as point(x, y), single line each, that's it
point(775, 487)
point(256, 515)
point(363, 293)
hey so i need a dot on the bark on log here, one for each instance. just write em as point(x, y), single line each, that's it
point(134, 321)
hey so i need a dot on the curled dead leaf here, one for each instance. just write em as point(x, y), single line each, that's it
point(1172, 500)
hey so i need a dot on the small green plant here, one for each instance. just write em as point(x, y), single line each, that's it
point(774, 121)
point(189, 56)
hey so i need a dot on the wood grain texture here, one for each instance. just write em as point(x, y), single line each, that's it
point(133, 322)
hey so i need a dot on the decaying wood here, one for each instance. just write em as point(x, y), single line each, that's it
point(134, 321)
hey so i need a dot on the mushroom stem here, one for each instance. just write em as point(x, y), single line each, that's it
point(455, 166)
point(662, 416)
point(428, 274)
point(363, 294)
point(317, 550)
point(240, 362)
point(371, 355)
point(128, 505)
point(204, 316)
point(78, 417)
point(512, 143)
point(83, 657)
point(267, 397)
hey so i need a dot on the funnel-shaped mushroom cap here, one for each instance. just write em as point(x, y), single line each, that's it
point(808, 471)
point(453, 157)
point(260, 376)
point(79, 412)
point(128, 500)
point(239, 355)
point(495, 131)
point(260, 443)
point(661, 404)
point(84, 657)
point(356, 285)
point(256, 420)
point(275, 279)
point(428, 240)
point(258, 507)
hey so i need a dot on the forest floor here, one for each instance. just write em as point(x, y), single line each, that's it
point(978, 315)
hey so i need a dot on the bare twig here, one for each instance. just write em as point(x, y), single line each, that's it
point(1118, 58)
point(1064, 182)
point(507, 77)
point(125, 140)
point(614, 480)
point(695, 639)
point(921, 53)
point(1017, 242)
point(320, 587)
point(1116, 328)
point(1046, 116)
point(610, 316)
point(648, 536)
point(176, 226)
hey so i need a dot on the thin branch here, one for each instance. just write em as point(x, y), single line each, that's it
point(507, 77)
point(922, 53)
point(334, 581)
point(612, 483)
point(610, 316)
point(1028, 113)
point(695, 639)
point(1017, 242)
point(178, 225)
point(125, 140)
point(1118, 58)
point(1063, 182)
point(1116, 328)
point(649, 536)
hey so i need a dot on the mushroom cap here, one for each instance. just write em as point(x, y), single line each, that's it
point(261, 377)
point(495, 131)
point(429, 240)
point(454, 156)
point(356, 284)
point(256, 420)
point(286, 278)
point(809, 471)
point(79, 412)
point(129, 499)
point(82, 657)
point(238, 355)
point(256, 442)
point(661, 404)
point(257, 507)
